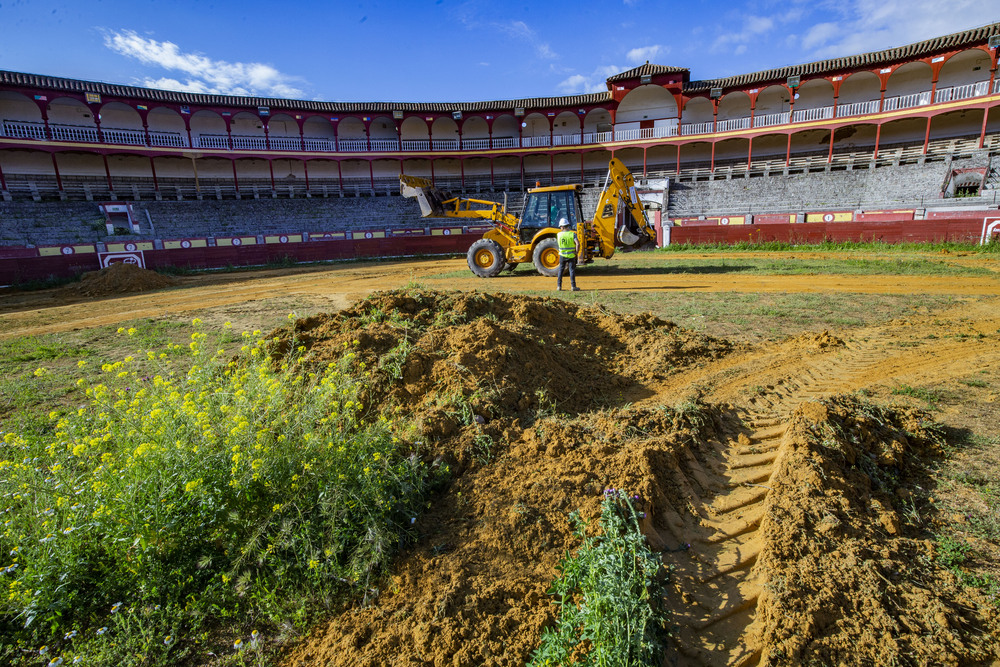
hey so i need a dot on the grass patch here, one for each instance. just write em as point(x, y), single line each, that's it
point(608, 596)
point(196, 491)
point(930, 396)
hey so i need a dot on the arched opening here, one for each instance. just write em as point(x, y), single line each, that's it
point(595, 165)
point(965, 74)
point(697, 116)
point(807, 143)
point(475, 134)
point(477, 174)
point(415, 134)
point(696, 155)
point(507, 173)
point(770, 150)
point(131, 176)
point(537, 169)
point(382, 131)
point(566, 167)
point(731, 152)
point(909, 86)
point(444, 134)
point(21, 118)
point(595, 123)
point(813, 101)
point(319, 134)
point(417, 167)
point(859, 95)
point(71, 120)
point(963, 123)
point(357, 175)
point(772, 107)
point(535, 130)
point(643, 111)
point(633, 159)
point(121, 124)
point(902, 133)
point(661, 159)
point(566, 129)
point(283, 133)
point(208, 130)
point(505, 131)
point(247, 131)
point(854, 142)
point(734, 112)
point(166, 128)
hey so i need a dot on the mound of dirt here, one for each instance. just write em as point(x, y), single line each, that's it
point(846, 583)
point(120, 278)
point(785, 538)
point(451, 358)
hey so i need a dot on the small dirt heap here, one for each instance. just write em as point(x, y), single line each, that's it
point(120, 278)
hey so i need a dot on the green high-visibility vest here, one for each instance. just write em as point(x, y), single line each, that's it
point(567, 244)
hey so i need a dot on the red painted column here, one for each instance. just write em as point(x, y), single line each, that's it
point(187, 127)
point(927, 134)
point(267, 135)
point(236, 179)
point(45, 119)
point(829, 157)
point(645, 152)
point(55, 166)
point(678, 158)
point(340, 176)
point(788, 151)
point(712, 168)
point(305, 170)
point(152, 168)
point(878, 134)
point(982, 132)
point(750, 151)
point(107, 171)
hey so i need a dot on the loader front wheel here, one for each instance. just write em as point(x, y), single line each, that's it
point(486, 258)
point(546, 257)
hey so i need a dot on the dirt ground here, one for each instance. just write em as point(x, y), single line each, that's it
point(789, 485)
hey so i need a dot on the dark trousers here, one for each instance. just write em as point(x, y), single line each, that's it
point(565, 262)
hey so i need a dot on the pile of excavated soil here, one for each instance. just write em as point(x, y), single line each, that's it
point(529, 400)
point(120, 278)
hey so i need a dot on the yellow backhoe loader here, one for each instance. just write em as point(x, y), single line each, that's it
point(532, 237)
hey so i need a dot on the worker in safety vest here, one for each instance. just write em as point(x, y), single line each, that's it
point(569, 246)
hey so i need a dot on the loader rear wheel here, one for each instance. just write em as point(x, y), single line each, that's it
point(546, 257)
point(486, 258)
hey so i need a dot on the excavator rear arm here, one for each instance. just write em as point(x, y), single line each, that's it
point(619, 189)
point(437, 204)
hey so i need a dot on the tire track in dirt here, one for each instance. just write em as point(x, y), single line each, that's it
point(713, 547)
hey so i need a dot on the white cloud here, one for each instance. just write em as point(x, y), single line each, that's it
point(596, 82)
point(204, 75)
point(873, 25)
point(751, 29)
point(644, 53)
point(522, 31)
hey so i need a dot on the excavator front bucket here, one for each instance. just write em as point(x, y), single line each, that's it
point(429, 197)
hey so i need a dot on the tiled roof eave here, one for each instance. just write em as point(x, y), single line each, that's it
point(58, 84)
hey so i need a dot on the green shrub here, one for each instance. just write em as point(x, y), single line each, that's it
point(608, 596)
point(198, 488)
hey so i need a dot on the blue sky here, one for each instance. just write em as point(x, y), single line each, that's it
point(446, 50)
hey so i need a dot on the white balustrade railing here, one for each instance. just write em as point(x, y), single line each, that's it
point(212, 141)
point(173, 139)
point(23, 130)
point(246, 143)
point(535, 142)
point(73, 133)
point(126, 137)
point(770, 119)
point(906, 101)
point(857, 108)
point(56, 132)
point(733, 124)
point(806, 115)
point(697, 128)
point(325, 145)
point(353, 145)
point(285, 143)
point(416, 145)
point(566, 140)
point(961, 92)
point(385, 145)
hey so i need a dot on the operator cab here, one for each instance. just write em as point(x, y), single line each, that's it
point(543, 208)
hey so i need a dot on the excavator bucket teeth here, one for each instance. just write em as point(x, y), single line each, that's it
point(429, 197)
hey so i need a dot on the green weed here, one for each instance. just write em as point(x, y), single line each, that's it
point(608, 596)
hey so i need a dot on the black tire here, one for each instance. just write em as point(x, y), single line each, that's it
point(546, 257)
point(485, 258)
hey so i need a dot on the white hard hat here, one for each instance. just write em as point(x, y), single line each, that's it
point(563, 222)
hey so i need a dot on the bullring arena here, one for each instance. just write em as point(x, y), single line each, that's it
point(808, 433)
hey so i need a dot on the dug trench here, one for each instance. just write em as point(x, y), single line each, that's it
point(778, 518)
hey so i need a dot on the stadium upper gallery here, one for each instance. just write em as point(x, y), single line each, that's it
point(893, 144)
